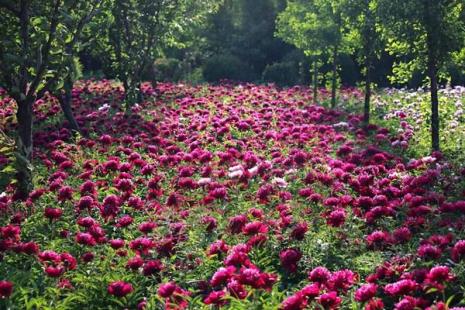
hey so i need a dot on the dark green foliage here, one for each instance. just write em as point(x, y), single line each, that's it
point(244, 29)
point(226, 66)
point(163, 70)
point(282, 73)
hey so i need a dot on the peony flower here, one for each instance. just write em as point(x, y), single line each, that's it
point(6, 289)
point(401, 287)
point(237, 223)
point(320, 275)
point(151, 267)
point(147, 227)
point(299, 231)
point(458, 251)
point(167, 289)
point(120, 288)
point(329, 300)
point(53, 213)
point(215, 298)
point(366, 292)
point(289, 259)
point(294, 302)
point(85, 239)
point(254, 228)
point(336, 218)
point(439, 274)
point(222, 275)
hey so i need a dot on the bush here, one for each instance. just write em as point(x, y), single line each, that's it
point(282, 73)
point(163, 70)
point(229, 67)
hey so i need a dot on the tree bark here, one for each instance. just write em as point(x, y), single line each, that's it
point(334, 79)
point(65, 99)
point(431, 39)
point(24, 148)
point(127, 91)
point(315, 82)
point(366, 108)
point(140, 95)
point(434, 105)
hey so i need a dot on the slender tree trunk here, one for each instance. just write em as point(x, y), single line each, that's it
point(127, 95)
point(65, 100)
point(140, 95)
point(334, 79)
point(434, 105)
point(315, 82)
point(431, 39)
point(24, 148)
point(65, 103)
point(366, 108)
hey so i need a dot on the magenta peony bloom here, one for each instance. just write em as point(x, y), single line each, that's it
point(6, 289)
point(120, 288)
point(366, 292)
point(289, 259)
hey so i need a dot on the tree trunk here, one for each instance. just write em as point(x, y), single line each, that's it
point(65, 103)
point(315, 82)
point(434, 105)
point(432, 41)
point(24, 148)
point(366, 108)
point(140, 95)
point(65, 100)
point(334, 79)
point(127, 95)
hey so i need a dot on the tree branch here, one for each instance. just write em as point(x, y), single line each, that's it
point(46, 51)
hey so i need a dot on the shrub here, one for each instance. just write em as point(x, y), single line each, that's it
point(225, 66)
point(163, 70)
point(282, 73)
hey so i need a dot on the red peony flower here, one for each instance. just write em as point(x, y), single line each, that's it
point(289, 259)
point(85, 239)
point(319, 275)
point(401, 287)
point(53, 213)
point(222, 275)
point(151, 267)
point(299, 231)
point(147, 227)
point(237, 223)
point(6, 289)
point(167, 289)
point(294, 302)
point(336, 218)
point(254, 228)
point(215, 298)
point(458, 251)
point(329, 300)
point(366, 292)
point(119, 288)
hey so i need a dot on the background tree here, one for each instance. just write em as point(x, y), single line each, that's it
point(430, 31)
point(362, 22)
point(140, 27)
point(314, 26)
point(76, 21)
point(297, 25)
point(32, 62)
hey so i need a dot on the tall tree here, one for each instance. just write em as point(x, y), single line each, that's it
point(77, 21)
point(362, 20)
point(32, 62)
point(316, 27)
point(430, 30)
point(140, 28)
